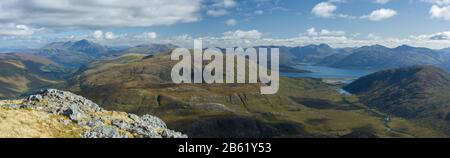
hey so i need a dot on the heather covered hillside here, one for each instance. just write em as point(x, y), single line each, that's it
point(141, 84)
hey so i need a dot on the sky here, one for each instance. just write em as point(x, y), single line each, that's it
point(226, 23)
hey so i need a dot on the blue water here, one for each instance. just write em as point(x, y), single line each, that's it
point(327, 72)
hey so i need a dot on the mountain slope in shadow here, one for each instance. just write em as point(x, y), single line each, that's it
point(417, 92)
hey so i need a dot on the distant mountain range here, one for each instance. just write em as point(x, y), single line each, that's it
point(374, 57)
point(77, 53)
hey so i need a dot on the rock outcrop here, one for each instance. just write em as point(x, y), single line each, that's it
point(94, 121)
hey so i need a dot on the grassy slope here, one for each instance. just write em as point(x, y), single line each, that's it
point(303, 107)
point(34, 124)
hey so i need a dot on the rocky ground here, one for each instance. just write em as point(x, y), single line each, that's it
point(63, 114)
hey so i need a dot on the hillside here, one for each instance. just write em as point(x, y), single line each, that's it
point(58, 114)
point(21, 72)
point(141, 84)
point(411, 92)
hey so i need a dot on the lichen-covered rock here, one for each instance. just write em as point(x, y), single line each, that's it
point(103, 132)
point(97, 122)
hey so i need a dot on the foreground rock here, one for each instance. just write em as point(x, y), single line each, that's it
point(92, 121)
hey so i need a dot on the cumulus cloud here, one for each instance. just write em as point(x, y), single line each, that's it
point(328, 10)
point(99, 13)
point(380, 14)
point(240, 34)
point(312, 32)
point(440, 12)
point(98, 34)
point(441, 36)
point(445, 36)
point(110, 36)
point(324, 9)
point(324, 32)
point(440, 9)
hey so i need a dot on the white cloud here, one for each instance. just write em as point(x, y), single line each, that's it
point(12, 29)
point(444, 36)
point(324, 33)
point(231, 22)
point(110, 36)
point(240, 34)
point(328, 10)
point(440, 9)
point(441, 36)
point(99, 13)
point(147, 36)
point(98, 34)
point(324, 10)
point(380, 14)
point(216, 13)
point(381, 1)
point(440, 12)
point(312, 32)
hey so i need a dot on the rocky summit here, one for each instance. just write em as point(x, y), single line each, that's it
point(55, 113)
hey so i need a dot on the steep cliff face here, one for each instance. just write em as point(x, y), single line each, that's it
point(55, 113)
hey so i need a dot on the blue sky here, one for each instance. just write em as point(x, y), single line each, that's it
point(340, 23)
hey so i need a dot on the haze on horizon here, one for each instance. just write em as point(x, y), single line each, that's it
point(225, 23)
